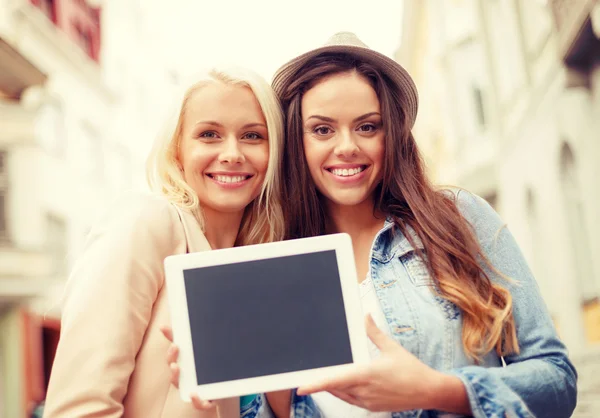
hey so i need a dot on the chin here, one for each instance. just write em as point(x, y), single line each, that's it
point(348, 200)
point(228, 207)
point(233, 208)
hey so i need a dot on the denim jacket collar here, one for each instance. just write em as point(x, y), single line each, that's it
point(390, 242)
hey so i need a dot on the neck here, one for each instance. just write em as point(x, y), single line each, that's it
point(354, 220)
point(221, 229)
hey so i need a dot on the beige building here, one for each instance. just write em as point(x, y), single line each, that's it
point(58, 165)
point(81, 101)
point(18, 278)
point(510, 93)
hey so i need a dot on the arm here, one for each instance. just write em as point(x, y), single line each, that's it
point(540, 380)
point(107, 306)
point(280, 402)
point(284, 404)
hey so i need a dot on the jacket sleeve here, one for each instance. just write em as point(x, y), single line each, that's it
point(540, 381)
point(107, 305)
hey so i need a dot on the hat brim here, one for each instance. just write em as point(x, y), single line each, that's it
point(399, 77)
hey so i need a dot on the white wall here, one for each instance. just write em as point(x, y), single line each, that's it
point(80, 148)
point(517, 153)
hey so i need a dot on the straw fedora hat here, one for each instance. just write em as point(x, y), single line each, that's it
point(349, 44)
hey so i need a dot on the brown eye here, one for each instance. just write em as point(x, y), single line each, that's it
point(367, 127)
point(322, 130)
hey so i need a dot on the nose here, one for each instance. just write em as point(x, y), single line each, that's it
point(231, 152)
point(346, 145)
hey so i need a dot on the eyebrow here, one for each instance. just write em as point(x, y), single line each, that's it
point(358, 119)
point(220, 125)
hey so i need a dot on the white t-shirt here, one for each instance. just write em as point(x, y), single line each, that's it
point(333, 407)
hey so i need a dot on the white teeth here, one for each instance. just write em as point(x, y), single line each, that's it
point(344, 172)
point(229, 179)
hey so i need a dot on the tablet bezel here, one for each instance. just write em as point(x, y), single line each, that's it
point(174, 276)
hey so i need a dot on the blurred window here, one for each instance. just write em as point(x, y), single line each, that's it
point(539, 261)
point(471, 77)
point(56, 244)
point(48, 7)
point(577, 225)
point(536, 23)
point(3, 195)
point(51, 129)
point(479, 105)
point(506, 48)
point(118, 168)
point(2, 214)
point(93, 151)
point(84, 39)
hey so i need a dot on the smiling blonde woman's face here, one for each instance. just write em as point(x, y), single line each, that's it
point(224, 146)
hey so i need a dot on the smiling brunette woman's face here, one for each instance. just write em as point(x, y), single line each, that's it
point(343, 138)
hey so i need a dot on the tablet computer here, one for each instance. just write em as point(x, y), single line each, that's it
point(265, 317)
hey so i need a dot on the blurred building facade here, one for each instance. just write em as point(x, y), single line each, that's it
point(510, 109)
point(60, 163)
point(82, 97)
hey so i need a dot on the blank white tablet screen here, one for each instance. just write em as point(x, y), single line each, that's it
point(265, 317)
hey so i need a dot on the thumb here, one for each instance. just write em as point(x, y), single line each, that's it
point(377, 336)
point(167, 332)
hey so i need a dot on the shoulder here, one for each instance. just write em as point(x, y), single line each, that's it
point(137, 214)
point(484, 220)
point(141, 204)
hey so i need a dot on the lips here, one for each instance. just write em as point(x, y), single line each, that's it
point(347, 171)
point(229, 177)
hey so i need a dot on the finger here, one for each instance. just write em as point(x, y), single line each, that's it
point(172, 353)
point(200, 404)
point(346, 397)
point(167, 332)
point(174, 368)
point(377, 336)
point(340, 382)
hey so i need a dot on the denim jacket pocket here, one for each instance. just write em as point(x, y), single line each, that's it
point(397, 303)
point(417, 270)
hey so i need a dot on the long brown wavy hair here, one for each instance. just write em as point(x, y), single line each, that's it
point(406, 195)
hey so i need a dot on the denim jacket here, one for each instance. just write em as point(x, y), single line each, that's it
point(540, 381)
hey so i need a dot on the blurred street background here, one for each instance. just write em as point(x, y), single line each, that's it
point(509, 109)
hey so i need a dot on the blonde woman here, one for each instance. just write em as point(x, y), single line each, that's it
point(215, 175)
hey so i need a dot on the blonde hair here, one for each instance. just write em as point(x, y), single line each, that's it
point(263, 218)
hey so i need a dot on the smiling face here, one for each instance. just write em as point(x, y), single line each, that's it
point(343, 138)
point(224, 149)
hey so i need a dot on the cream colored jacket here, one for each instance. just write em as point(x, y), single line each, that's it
point(110, 360)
